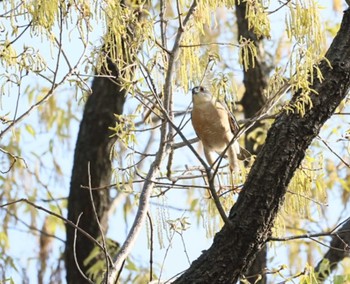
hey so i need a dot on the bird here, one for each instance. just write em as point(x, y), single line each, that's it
point(215, 126)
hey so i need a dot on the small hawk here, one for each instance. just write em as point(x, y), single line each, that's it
point(215, 126)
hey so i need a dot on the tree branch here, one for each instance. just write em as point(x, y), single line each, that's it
point(339, 249)
point(253, 102)
point(163, 149)
point(252, 217)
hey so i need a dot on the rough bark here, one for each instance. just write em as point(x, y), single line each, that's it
point(252, 216)
point(95, 142)
point(338, 250)
point(92, 148)
point(255, 81)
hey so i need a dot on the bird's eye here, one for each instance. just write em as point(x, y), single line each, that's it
point(198, 89)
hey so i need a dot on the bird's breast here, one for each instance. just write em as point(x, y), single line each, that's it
point(211, 123)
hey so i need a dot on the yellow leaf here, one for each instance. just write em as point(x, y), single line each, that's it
point(30, 130)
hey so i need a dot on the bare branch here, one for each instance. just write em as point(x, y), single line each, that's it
point(151, 247)
point(75, 253)
point(307, 236)
point(333, 152)
point(14, 160)
point(163, 150)
point(70, 223)
point(102, 232)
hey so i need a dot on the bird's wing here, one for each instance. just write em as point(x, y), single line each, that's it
point(243, 154)
point(232, 120)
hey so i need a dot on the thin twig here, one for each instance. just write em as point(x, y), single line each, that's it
point(46, 97)
point(105, 252)
point(155, 167)
point(150, 247)
point(165, 256)
point(179, 15)
point(205, 70)
point(169, 164)
point(70, 223)
point(307, 236)
point(120, 271)
point(307, 197)
point(280, 7)
point(14, 157)
point(333, 152)
point(184, 246)
point(162, 24)
point(59, 44)
point(216, 198)
point(209, 43)
point(30, 227)
point(14, 40)
point(75, 252)
point(340, 224)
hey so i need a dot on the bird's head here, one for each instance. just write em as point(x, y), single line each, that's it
point(201, 94)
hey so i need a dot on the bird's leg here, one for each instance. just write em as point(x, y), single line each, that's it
point(209, 156)
point(233, 160)
point(237, 149)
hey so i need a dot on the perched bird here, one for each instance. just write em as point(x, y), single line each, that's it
point(215, 126)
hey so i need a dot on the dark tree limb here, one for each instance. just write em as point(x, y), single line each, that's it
point(255, 82)
point(252, 217)
point(92, 165)
point(339, 248)
point(93, 146)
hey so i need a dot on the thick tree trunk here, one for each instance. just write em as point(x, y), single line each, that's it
point(338, 250)
point(255, 81)
point(92, 150)
point(94, 145)
point(252, 216)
